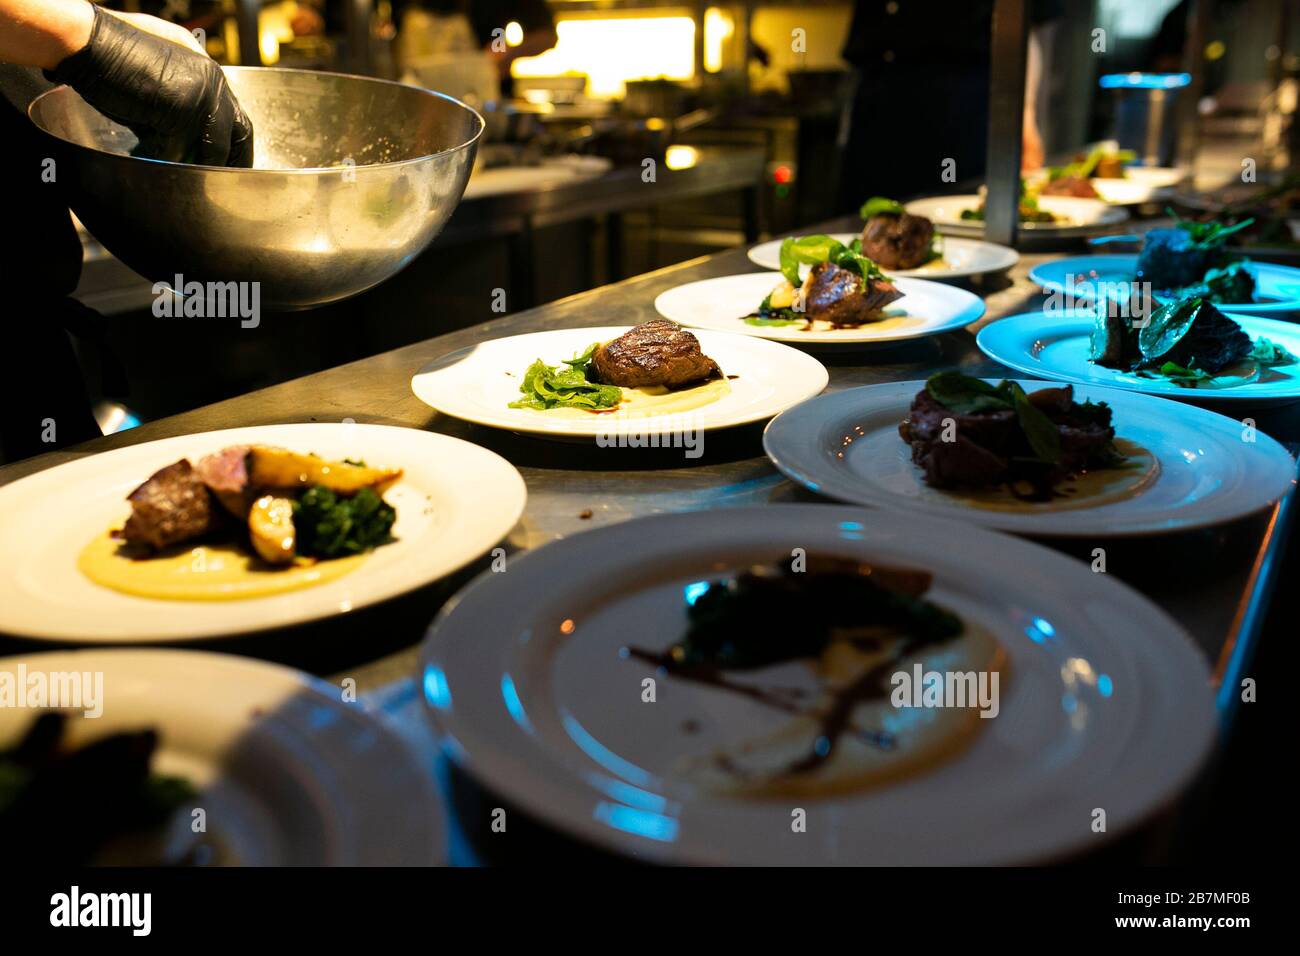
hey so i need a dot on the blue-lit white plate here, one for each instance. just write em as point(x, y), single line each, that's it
point(846, 445)
point(722, 304)
point(287, 772)
point(1054, 345)
point(1106, 701)
point(959, 258)
point(1277, 288)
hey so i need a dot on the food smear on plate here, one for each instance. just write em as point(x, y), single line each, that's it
point(121, 805)
point(1188, 342)
point(823, 644)
point(895, 238)
point(844, 289)
point(1192, 259)
point(1002, 447)
point(656, 368)
point(246, 521)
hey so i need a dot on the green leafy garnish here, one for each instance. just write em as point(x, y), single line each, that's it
point(880, 206)
point(966, 395)
point(328, 525)
point(810, 250)
point(1267, 352)
point(1208, 235)
point(546, 386)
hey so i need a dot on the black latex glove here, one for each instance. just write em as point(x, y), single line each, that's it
point(175, 100)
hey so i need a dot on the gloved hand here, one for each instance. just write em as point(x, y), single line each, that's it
point(175, 100)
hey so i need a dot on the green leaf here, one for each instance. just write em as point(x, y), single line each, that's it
point(1267, 352)
point(1167, 326)
point(965, 394)
point(1043, 435)
point(807, 250)
point(545, 387)
point(328, 525)
point(880, 206)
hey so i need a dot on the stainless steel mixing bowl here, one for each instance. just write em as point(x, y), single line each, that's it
point(353, 178)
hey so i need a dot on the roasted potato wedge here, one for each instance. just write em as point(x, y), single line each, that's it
point(270, 527)
point(278, 468)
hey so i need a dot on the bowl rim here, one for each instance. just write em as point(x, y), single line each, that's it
point(478, 133)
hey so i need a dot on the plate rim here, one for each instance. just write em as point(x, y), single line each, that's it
point(995, 519)
point(784, 336)
point(199, 629)
point(231, 666)
point(668, 423)
point(1011, 255)
point(499, 770)
point(1194, 396)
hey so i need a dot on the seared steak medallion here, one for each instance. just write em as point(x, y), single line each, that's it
point(173, 505)
point(658, 352)
point(841, 297)
point(989, 448)
point(898, 242)
point(226, 474)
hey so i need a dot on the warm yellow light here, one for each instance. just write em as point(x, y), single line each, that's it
point(1215, 49)
point(681, 157)
point(616, 50)
point(514, 33)
point(718, 29)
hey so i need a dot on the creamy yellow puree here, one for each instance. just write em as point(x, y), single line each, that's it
point(222, 571)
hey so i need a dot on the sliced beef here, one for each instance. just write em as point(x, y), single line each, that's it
point(226, 474)
point(174, 505)
point(658, 352)
point(898, 242)
point(841, 297)
point(1113, 342)
point(989, 448)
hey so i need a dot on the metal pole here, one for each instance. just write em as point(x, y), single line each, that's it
point(1186, 110)
point(1007, 60)
point(250, 47)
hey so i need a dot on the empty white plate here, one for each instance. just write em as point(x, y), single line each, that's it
point(478, 384)
point(287, 773)
point(926, 308)
point(961, 258)
point(846, 445)
point(454, 501)
point(1074, 216)
point(1055, 345)
point(1106, 704)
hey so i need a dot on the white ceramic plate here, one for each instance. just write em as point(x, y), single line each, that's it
point(1106, 703)
point(926, 308)
point(479, 383)
point(1079, 216)
point(287, 773)
point(454, 502)
point(1054, 345)
point(846, 445)
point(1276, 296)
point(961, 258)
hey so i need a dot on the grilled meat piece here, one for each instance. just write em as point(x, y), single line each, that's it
point(226, 474)
point(1212, 342)
point(898, 242)
point(174, 505)
point(1069, 186)
point(658, 352)
point(986, 446)
point(1172, 259)
point(1113, 342)
point(841, 297)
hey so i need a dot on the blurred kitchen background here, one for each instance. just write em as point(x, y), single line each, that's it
point(740, 110)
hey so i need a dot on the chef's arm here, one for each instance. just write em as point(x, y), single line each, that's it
point(1031, 154)
point(43, 33)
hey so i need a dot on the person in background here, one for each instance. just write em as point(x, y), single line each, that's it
point(923, 96)
point(148, 75)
